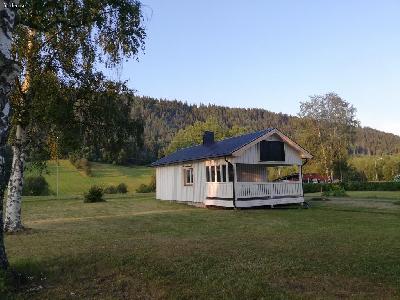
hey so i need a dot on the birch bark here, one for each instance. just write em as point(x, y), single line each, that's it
point(9, 70)
point(13, 220)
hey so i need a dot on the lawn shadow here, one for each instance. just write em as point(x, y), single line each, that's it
point(26, 277)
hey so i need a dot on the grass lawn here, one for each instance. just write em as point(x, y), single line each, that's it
point(74, 182)
point(136, 247)
point(367, 195)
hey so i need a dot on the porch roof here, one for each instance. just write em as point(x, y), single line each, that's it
point(218, 149)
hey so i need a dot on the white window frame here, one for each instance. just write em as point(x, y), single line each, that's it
point(214, 179)
point(185, 176)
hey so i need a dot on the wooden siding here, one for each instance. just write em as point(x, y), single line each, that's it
point(252, 155)
point(170, 183)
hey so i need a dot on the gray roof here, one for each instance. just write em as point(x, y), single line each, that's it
point(218, 149)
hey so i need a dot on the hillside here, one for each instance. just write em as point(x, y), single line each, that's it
point(74, 182)
point(164, 118)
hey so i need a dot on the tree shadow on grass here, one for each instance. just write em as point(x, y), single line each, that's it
point(23, 278)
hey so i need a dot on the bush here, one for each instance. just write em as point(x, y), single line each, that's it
point(35, 186)
point(335, 190)
point(111, 190)
point(372, 186)
point(122, 188)
point(148, 188)
point(313, 187)
point(353, 186)
point(95, 194)
point(396, 178)
point(81, 164)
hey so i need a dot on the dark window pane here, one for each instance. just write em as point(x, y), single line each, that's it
point(212, 173)
point(218, 173)
point(188, 175)
point(230, 173)
point(223, 173)
point(208, 174)
point(272, 151)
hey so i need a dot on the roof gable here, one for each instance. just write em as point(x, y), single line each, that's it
point(303, 153)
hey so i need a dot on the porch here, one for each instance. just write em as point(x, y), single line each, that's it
point(253, 185)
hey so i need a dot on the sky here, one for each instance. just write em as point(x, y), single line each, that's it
point(273, 54)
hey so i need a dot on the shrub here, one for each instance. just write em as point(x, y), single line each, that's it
point(111, 189)
point(81, 164)
point(35, 186)
point(148, 188)
point(335, 190)
point(353, 186)
point(95, 194)
point(313, 187)
point(396, 178)
point(122, 188)
point(84, 165)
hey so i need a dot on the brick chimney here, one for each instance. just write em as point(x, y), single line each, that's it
point(208, 138)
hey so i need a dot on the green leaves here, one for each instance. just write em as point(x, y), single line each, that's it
point(327, 130)
point(193, 134)
point(74, 35)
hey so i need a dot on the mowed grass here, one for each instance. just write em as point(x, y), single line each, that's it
point(139, 248)
point(75, 182)
point(367, 194)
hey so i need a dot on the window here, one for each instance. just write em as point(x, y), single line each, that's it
point(212, 173)
point(272, 151)
point(223, 173)
point(218, 173)
point(231, 173)
point(188, 176)
point(208, 174)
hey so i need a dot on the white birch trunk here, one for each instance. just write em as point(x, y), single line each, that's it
point(12, 222)
point(9, 70)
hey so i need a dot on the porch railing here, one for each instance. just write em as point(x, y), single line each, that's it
point(268, 189)
point(219, 189)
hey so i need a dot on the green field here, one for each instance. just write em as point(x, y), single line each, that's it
point(74, 182)
point(135, 247)
point(366, 195)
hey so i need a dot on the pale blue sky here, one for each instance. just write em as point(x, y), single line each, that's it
point(273, 54)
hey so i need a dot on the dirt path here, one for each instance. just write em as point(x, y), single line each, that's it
point(79, 219)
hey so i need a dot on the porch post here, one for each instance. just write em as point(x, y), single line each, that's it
point(301, 179)
point(234, 185)
point(301, 173)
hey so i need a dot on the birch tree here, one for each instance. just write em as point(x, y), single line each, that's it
point(327, 128)
point(9, 70)
point(69, 38)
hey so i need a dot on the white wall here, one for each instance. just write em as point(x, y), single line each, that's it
point(252, 155)
point(170, 183)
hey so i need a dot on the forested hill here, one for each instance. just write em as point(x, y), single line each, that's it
point(164, 118)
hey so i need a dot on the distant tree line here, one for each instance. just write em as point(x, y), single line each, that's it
point(376, 168)
point(163, 119)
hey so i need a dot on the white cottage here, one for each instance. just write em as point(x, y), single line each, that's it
point(232, 172)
